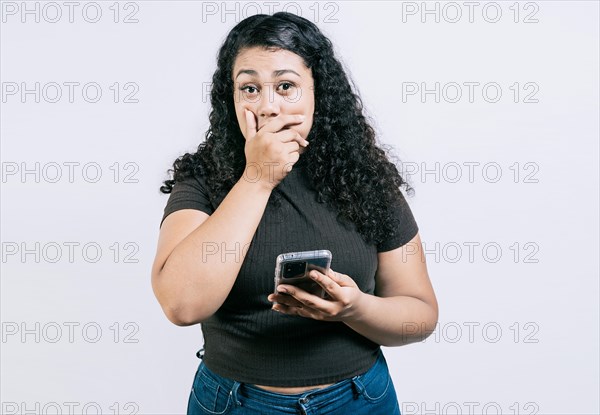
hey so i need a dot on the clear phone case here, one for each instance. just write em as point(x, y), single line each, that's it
point(293, 268)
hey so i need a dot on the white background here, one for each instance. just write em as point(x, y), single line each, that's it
point(518, 328)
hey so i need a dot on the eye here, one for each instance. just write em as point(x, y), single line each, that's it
point(288, 86)
point(249, 89)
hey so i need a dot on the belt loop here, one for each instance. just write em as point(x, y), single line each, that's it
point(234, 391)
point(357, 384)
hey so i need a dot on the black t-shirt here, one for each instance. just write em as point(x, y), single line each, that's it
point(245, 339)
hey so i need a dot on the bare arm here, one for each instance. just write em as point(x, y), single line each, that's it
point(192, 281)
point(404, 308)
point(199, 256)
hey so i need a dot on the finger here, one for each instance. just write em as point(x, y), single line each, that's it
point(342, 279)
point(309, 300)
point(329, 284)
point(284, 309)
point(336, 276)
point(288, 136)
point(278, 123)
point(298, 311)
point(250, 124)
point(291, 147)
point(285, 299)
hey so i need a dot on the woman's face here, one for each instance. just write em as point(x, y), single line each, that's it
point(270, 83)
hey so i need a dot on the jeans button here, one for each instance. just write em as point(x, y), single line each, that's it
point(303, 400)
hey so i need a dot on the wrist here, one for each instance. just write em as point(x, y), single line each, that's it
point(264, 176)
point(360, 308)
point(257, 187)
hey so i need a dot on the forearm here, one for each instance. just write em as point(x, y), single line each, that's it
point(200, 272)
point(393, 321)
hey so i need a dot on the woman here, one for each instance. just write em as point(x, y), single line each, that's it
point(290, 164)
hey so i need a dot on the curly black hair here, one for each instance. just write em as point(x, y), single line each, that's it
point(347, 168)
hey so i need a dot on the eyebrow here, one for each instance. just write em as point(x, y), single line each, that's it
point(275, 74)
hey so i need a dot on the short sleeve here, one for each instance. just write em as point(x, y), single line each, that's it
point(407, 228)
point(190, 193)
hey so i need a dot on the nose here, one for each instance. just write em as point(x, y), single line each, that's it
point(269, 105)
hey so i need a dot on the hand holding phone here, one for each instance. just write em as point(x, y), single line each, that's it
point(293, 268)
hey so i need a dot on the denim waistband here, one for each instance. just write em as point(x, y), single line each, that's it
point(325, 394)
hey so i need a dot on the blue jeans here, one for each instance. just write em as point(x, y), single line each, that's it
point(370, 393)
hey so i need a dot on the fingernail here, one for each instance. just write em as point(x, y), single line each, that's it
point(305, 143)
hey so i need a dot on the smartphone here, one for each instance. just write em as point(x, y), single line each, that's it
point(293, 268)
